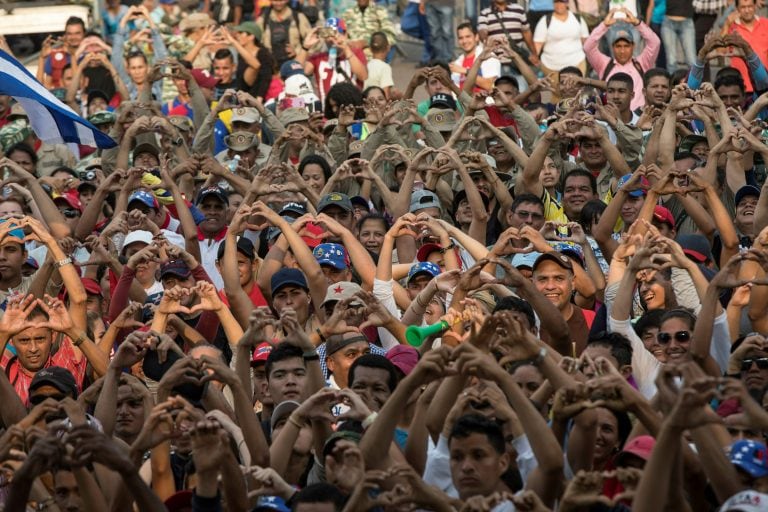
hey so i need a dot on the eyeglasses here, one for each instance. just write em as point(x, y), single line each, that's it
point(761, 362)
point(38, 399)
point(524, 214)
point(680, 336)
point(70, 213)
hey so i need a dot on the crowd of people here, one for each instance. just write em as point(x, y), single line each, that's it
point(291, 286)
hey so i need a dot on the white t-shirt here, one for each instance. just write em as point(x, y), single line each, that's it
point(562, 41)
point(379, 74)
point(491, 68)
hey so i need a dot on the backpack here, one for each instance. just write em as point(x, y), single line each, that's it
point(612, 64)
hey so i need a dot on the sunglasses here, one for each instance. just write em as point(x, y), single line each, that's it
point(523, 214)
point(761, 362)
point(70, 213)
point(680, 336)
point(38, 399)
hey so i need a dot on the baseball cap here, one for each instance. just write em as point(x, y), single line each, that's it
point(746, 501)
point(442, 100)
point(622, 34)
point(196, 20)
point(273, 231)
point(525, 260)
point(425, 250)
point(212, 191)
point(145, 197)
point(334, 255)
point(559, 258)
point(293, 115)
point(298, 85)
point(750, 456)
point(336, 23)
point(91, 286)
point(95, 94)
point(637, 192)
point(261, 353)
point(340, 435)
point(746, 191)
point(71, 201)
point(282, 411)
point(175, 267)
point(249, 27)
point(294, 208)
point(15, 235)
point(461, 195)
point(422, 199)
point(102, 117)
point(245, 115)
point(570, 249)
point(244, 246)
point(640, 446)
point(340, 291)
point(146, 143)
point(204, 78)
point(334, 199)
point(286, 277)
point(403, 357)
point(240, 141)
point(339, 341)
point(663, 215)
point(56, 376)
point(290, 68)
point(266, 503)
point(138, 236)
point(360, 201)
point(423, 267)
point(696, 247)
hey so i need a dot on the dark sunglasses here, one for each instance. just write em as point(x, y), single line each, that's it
point(38, 399)
point(680, 336)
point(761, 362)
point(70, 213)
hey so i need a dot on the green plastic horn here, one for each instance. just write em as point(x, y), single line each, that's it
point(416, 335)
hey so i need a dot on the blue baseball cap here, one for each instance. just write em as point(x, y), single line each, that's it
point(334, 255)
point(570, 249)
point(751, 456)
point(145, 197)
point(286, 277)
point(266, 503)
point(423, 267)
point(15, 235)
point(638, 192)
point(338, 24)
point(290, 68)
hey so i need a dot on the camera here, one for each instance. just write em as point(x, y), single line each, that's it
point(87, 175)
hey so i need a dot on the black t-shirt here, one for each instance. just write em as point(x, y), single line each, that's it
point(682, 8)
point(260, 86)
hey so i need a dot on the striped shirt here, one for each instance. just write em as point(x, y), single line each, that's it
point(514, 18)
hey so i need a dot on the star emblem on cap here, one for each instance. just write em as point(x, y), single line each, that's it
point(338, 290)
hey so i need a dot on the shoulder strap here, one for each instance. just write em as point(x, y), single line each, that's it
point(612, 64)
point(503, 27)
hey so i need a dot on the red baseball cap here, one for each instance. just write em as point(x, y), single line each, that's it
point(427, 249)
point(663, 215)
point(71, 200)
point(640, 446)
point(204, 78)
point(260, 354)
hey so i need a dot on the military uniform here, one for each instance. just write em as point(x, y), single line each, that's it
point(362, 24)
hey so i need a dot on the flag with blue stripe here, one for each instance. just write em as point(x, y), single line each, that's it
point(53, 121)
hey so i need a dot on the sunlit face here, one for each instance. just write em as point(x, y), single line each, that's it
point(622, 51)
point(754, 377)
point(676, 349)
point(372, 385)
point(529, 378)
point(417, 283)
point(745, 213)
point(631, 209)
point(313, 175)
point(33, 347)
point(732, 95)
point(607, 440)
point(11, 209)
point(215, 211)
point(555, 282)
point(482, 184)
point(292, 297)
point(746, 10)
point(340, 361)
point(287, 380)
point(224, 70)
point(372, 235)
point(619, 94)
point(435, 86)
point(463, 212)
point(526, 214)
point(592, 154)
point(652, 345)
point(24, 160)
point(701, 150)
point(657, 91)
point(137, 69)
point(652, 290)
point(476, 467)
point(73, 35)
point(129, 415)
point(576, 192)
point(550, 174)
point(467, 40)
point(377, 97)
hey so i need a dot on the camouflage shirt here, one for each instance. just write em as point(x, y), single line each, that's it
point(362, 24)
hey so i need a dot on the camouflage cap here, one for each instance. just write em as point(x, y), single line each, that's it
point(293, 115)
point(182, 123)
point(102, 117)
point(240, 141)
point(13, 133)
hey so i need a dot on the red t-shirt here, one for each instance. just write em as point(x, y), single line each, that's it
point(327, 76)
point(257, 298)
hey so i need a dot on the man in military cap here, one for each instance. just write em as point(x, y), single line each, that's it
point(246, 146)
point(103, 120)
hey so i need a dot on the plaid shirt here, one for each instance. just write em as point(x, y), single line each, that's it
point(708, 6)
point(64, 357)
